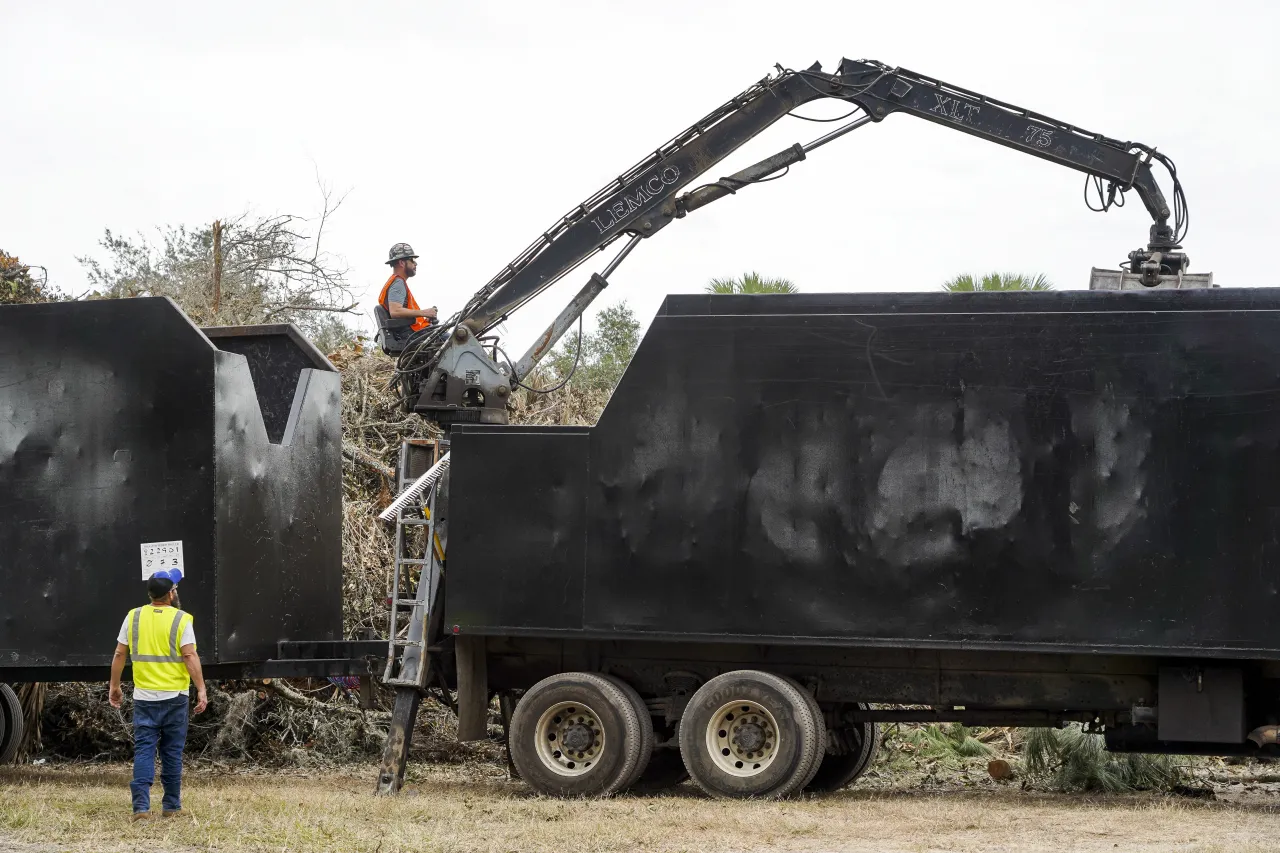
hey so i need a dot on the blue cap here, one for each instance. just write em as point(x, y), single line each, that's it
point(174, 575)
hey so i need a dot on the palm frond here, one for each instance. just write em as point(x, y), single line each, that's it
point(751, 282)
point(997, 282)
point(1076, 760)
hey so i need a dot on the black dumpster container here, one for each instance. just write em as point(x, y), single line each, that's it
point(122, 425)
point(1066, 471)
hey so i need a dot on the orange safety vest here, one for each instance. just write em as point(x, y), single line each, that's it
point(420, 323)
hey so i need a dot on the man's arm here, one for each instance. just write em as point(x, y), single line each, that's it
point(192, 660)
point(398, 311)
point(116, 696)
point(397, 297)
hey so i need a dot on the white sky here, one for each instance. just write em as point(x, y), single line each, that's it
point(468, 128)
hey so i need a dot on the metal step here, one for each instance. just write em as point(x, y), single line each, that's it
point(411, 562)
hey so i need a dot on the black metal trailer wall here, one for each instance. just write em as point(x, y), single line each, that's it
point(121, 423)
point(277, 424)
point(1039, 471)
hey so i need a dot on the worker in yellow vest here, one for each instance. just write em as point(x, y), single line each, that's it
point(160, 640)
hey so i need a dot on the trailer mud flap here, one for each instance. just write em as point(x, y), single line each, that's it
point(473, 687)
point(1202, 704)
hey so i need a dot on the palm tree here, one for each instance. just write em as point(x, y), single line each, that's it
point(751, 282)
point(997, 281)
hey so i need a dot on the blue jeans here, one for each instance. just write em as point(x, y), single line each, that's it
point(162, 724)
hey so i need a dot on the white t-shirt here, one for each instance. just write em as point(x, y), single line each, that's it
point(142, 693)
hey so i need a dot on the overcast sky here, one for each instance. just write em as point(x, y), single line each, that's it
point(468, 128)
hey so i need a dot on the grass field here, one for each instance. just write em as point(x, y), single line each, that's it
point(475, 808)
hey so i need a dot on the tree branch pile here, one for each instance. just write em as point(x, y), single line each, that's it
point(373, 427)
point(266, 723)
point(304, 722)
point(18, 286)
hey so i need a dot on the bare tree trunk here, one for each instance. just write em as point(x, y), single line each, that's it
point(217, 268)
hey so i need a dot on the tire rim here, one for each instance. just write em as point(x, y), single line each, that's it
point(742, 738)
point(570, 738)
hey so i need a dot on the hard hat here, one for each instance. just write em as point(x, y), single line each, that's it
point(174, 575)
point(399, 252)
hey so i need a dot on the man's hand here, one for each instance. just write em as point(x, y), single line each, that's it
point(431, 313)
point(116, 696)
point(192, 660)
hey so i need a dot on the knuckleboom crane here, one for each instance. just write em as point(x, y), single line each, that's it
point(455, 372)
point(447, 372)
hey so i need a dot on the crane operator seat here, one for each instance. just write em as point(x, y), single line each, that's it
point(393, 333)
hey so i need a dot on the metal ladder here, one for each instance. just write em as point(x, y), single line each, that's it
point(407, 656)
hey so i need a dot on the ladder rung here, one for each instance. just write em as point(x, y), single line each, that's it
point(409, 602)
point(411, 561)
point(406, 643)
point(415, 521)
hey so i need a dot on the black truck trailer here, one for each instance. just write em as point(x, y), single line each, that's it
point(803, 515)
point(795, 511)
point(798, 517)
point(131, 440)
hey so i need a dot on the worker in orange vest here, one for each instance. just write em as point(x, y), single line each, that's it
point(397, 298)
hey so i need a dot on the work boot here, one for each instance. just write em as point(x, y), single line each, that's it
point(137, 816)
point(172, 813)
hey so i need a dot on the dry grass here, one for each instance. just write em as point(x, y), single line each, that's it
point(474, 808)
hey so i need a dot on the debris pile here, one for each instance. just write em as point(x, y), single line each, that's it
point(373, 426)
point(303, 722)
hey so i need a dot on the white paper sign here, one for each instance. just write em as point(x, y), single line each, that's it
point(161, 555)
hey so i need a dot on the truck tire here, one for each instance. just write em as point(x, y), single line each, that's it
point(646, 728)
point(841, 770)
point(666, 770)
point(11, 725)
point(748, 734)
point(575, 734)
point(820, 722)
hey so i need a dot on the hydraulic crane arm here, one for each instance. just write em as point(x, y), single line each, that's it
point(649, 196)
point(1124, 164)
point(644, 200)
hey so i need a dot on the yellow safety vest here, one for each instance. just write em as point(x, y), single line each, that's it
point(153, 635)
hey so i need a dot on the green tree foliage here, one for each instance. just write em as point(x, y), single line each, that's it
point(997, 281)
point(606, 352)
point(582, 392)
point(18, 286)
point(273, 270)
point(751, 282)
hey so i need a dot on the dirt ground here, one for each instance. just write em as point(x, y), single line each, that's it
point(476, 808)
